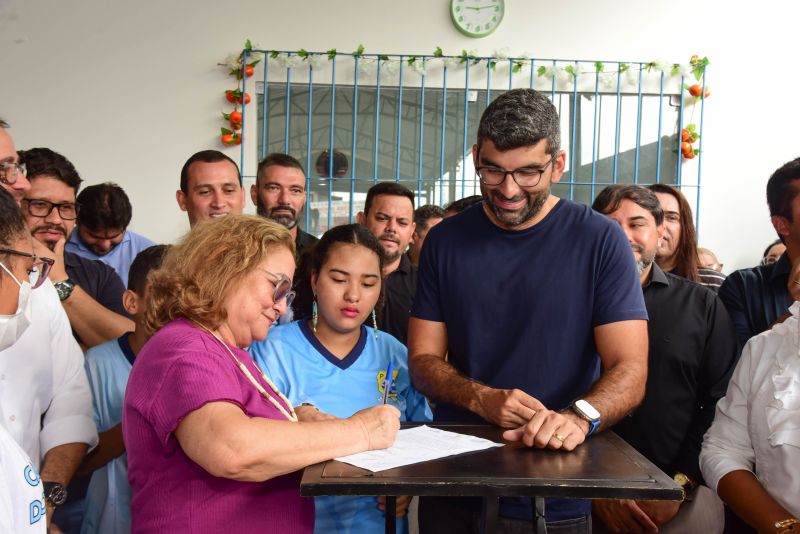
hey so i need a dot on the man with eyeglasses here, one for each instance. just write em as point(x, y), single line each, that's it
point(44, 393)
point(90, 290)
point(528, 312)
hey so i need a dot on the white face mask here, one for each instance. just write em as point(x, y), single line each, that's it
point(13, 326)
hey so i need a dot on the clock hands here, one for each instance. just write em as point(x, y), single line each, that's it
point(476, 8)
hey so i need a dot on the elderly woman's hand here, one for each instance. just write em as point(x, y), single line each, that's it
point(308, 413)
point(379, 425)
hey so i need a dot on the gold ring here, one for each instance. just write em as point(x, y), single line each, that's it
point(559, 437)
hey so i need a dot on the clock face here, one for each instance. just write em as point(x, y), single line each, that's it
point(477, 18)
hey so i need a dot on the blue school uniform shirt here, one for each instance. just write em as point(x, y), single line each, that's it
point(305, 371)
point(119, 258)
point(109, 495)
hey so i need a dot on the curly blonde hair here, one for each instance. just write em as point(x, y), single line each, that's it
point(207, 265)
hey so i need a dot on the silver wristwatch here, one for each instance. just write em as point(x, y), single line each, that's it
point(64, 289)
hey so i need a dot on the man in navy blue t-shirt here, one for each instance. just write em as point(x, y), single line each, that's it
point(521, 300)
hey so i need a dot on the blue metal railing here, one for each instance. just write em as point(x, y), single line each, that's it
point(430, 155)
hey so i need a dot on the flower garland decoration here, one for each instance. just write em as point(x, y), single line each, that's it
point(565, 75)
point(231, 134)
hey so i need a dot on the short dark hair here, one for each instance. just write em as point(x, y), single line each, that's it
point(146, 261)
point(3, 124)
point(687, 262)
point(609, 199)
point(387, 188)
point(204, 156)
point(281, 160)
point(520, 118)
point(457, 206)
point(781, 189)
point(340, 163)
point(43, 161)
point(12, 224)
point(104, 206)
point(425, 213)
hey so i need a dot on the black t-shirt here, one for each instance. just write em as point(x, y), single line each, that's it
point(99, 280)
point(398, 297)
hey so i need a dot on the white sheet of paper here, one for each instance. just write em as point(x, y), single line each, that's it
point(418, 444)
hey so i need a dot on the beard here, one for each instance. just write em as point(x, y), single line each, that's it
point(513, 218)
point(52, 228)
point(646, 258)
point(278, 214)
point(389, 257)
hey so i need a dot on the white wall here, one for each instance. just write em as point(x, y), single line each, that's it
point(127, 90)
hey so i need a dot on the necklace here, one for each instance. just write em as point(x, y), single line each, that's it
point(291, 416)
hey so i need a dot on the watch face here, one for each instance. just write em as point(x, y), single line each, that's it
point(55, 493)
point(587, 409)
point(477, 18)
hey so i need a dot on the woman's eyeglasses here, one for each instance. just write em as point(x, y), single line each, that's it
point(283, 288)
point(40, 264)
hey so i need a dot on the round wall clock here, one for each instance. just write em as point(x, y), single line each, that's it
point(477, 18)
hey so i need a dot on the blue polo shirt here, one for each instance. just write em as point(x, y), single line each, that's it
point(520, 307)
point(119, 258)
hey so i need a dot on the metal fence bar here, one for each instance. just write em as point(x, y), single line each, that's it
point(308, 138)
point(700, 156)
point(533, 74)
point(553, 84)
point(444, 131)
point(353, 143)
point(265, 108)
point(618, 117)
point(330, 141)
point(595, 121)
point(421, 134)
point(680, 127)
point(377, 122)
point(510, 74)
point(466, 122)
point(287, 124)
point(638, 126)
point(573, 138)
point(244, 88)
point(660, 119)
point(399, 121)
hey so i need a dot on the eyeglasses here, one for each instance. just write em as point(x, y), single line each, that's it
point(283, 288)
point(524, 176)
point(40, 264)
point(42, 208)
point(9, 171)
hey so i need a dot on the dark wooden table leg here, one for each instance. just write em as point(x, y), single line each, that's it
point(491, 513)
point(391, 509)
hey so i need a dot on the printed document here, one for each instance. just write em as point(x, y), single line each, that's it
point(418, 444)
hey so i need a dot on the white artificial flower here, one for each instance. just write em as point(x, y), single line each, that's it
point(632, 76)
point(500, 54)
point(232, 61)
point(254, 56)
point(608, 80)
point(288, 62)
point(453, 62)
point(365, 65)
point(420, 66)
point(390, 67)
point(684, 70)
point(661, 65)
point(315, 60)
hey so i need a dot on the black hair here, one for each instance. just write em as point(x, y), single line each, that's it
point(43, 161)
point(425, 213)
point(387, 188)
point(457, 206)
point(609, 199)
point(766, 250)
point(520, 118)
point(146, 261)
point(204, 156)
point(781, 189)
point(12, 224)
point(351, 234)
point(281, 160)
point(104, 207)
point(3, 124)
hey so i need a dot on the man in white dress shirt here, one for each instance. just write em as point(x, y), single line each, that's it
point(45, 401)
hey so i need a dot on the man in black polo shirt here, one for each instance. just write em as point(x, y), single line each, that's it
point(758, 297)
point(692, 353)
point(389, 215)
point(90, 291)
point(280, 194)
